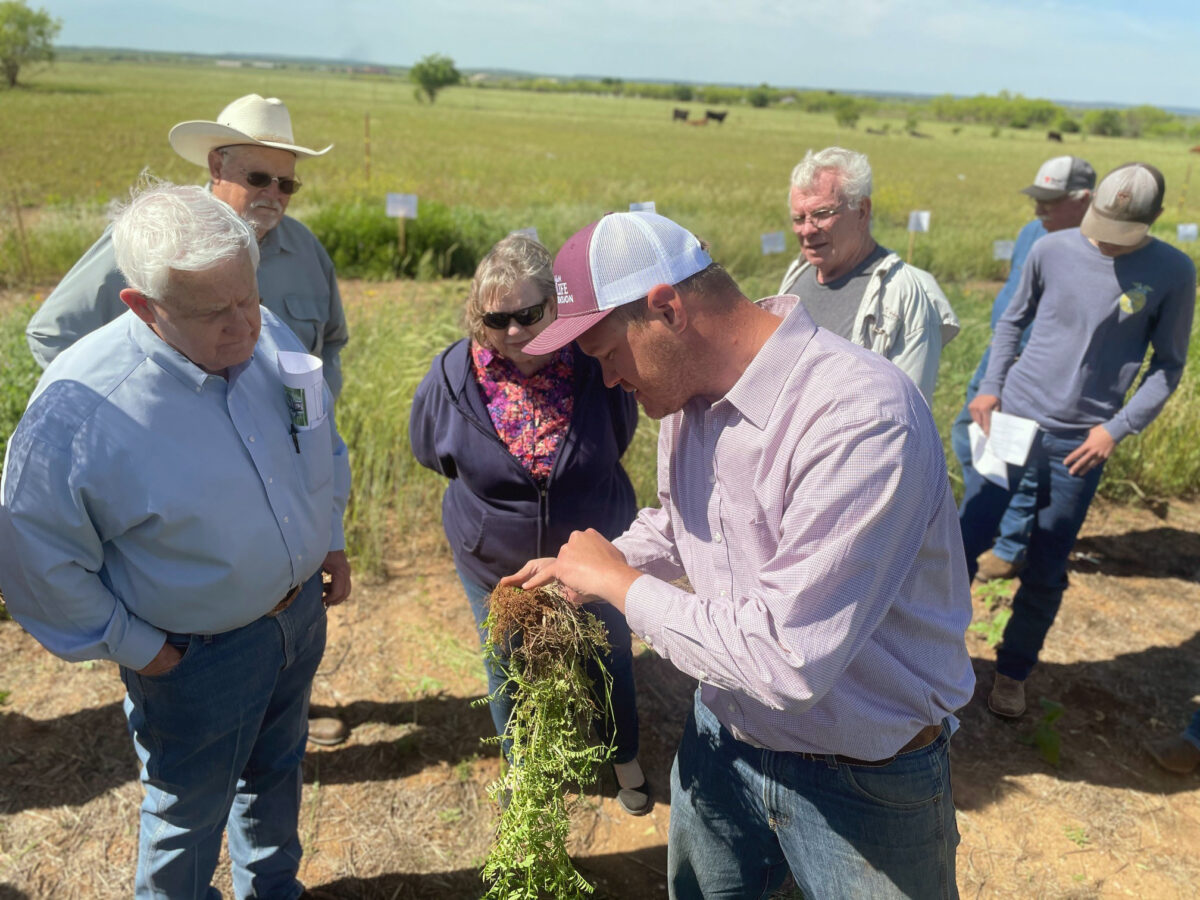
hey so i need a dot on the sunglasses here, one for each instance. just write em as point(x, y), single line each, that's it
point(524, 317)
point(287, 186)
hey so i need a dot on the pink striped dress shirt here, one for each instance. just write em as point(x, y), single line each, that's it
point(811, 513)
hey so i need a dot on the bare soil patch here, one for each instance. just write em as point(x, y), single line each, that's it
point(400, 810)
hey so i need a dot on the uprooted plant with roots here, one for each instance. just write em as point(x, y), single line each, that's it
point(549, 644)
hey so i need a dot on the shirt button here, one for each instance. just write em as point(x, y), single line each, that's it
point(731, 707)
point(199, 389)
point(252, 439)
point(717, 538)
point(724, 593)
point(300, 556)
point(270, 480)
point(285, 520)
point(703, 676)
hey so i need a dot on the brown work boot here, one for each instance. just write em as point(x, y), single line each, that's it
point(1007, 698)
point(327, 731)
point(1175, 754)
point(993, 567)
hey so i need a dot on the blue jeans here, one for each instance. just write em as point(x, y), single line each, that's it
point(741, 817)
point(1017, 523)
point(1062, 504)
point(619, 662)
point(221, 738)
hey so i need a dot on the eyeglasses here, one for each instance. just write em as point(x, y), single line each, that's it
point(523, 317)
point(818, 218)
point(287, 186)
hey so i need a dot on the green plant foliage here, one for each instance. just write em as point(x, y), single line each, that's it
point(1045, 737)
point(432, 73)
point(26, 36)
point(993, 629)
point(18, 372)
point(549, 730)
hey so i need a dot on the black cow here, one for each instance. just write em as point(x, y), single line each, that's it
point(1054, 136)
point(718, 117)
point(679, 115)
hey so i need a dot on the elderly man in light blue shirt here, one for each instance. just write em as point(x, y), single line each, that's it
point(160, 508)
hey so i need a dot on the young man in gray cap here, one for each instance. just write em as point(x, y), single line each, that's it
point(804, 495)
point(1097, 297)
point(1061, 191)
point(250, 155)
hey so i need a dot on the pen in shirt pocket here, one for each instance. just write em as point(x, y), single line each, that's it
point(295, 438)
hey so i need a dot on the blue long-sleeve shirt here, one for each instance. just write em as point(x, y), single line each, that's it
point(1093, 317)
point(142, 495)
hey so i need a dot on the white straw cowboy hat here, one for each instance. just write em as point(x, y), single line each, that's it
point(247, 120)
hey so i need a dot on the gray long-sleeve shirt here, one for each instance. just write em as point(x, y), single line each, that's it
point(296, 281)
point(1093, 318)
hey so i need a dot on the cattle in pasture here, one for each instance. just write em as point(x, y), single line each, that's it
point(1195, 149)
point(1054, 136)
point(714, 115)
point(698, 122)
point(876, 131)
point(679, 115)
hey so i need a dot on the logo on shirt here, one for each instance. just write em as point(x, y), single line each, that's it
point(564, 295)
point(1132, 302)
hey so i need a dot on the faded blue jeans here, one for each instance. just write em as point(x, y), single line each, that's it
point(741, 817)
point(1012, 537)
point(619, 662)
point(221, 739)
point(1062, 504)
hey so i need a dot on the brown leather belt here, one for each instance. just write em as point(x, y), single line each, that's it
point(285, 602)
point(924, 738)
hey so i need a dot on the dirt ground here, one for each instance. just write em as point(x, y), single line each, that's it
point(400, 810)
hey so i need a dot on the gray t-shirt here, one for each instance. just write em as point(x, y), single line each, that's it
point(834, 306)
point(1093, 318)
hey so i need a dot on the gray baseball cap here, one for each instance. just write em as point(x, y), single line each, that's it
point(1059, 176)
point(1127, 202)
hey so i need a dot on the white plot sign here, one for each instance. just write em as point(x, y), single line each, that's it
point(1185, 232)
point(528, 232)
point(402, 206)
point(1003, 249)
point(773, 242)
point(644, 206)
point(918, 220)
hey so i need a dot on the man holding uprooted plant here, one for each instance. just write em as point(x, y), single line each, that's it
point(1096, 297)
point(804, 496)
point(250, 155)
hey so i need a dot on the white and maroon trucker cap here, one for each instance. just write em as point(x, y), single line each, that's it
point(611, 262)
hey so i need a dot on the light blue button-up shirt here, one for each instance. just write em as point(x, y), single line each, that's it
point(142, 495)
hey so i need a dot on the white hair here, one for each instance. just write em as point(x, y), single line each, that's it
point(169, 227)
point(853, 170)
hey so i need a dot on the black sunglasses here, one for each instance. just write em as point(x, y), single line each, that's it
point(287, 186)
point(524, 317)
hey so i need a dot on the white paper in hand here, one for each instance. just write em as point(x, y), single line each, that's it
point(1010, 437)
point(986, 463)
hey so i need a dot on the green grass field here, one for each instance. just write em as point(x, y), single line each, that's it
point(80, 134)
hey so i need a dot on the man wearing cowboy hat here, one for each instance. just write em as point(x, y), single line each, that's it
point(250, 155)
point(251, 159)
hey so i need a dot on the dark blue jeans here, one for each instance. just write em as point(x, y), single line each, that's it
point(742, 816)
point(1062, 504)
point(624, 725)
point(1016, 525)
point(221, 738)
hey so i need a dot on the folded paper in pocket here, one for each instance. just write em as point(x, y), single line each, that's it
point(303, 387)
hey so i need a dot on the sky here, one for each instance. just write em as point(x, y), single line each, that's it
point(1098, 51)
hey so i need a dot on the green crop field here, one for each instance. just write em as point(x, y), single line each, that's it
point(78, 137)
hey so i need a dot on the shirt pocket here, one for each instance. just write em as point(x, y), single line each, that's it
point(306, 315)
point(315, 459)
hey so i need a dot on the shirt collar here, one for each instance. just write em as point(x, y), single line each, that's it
point(755, 394)
point(165, 356)
point(275, 242)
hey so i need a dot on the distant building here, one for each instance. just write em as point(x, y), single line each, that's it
point(229, 63)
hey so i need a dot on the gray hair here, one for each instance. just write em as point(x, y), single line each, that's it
point(853, 170)
point(169, 227)
point(516, 259)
